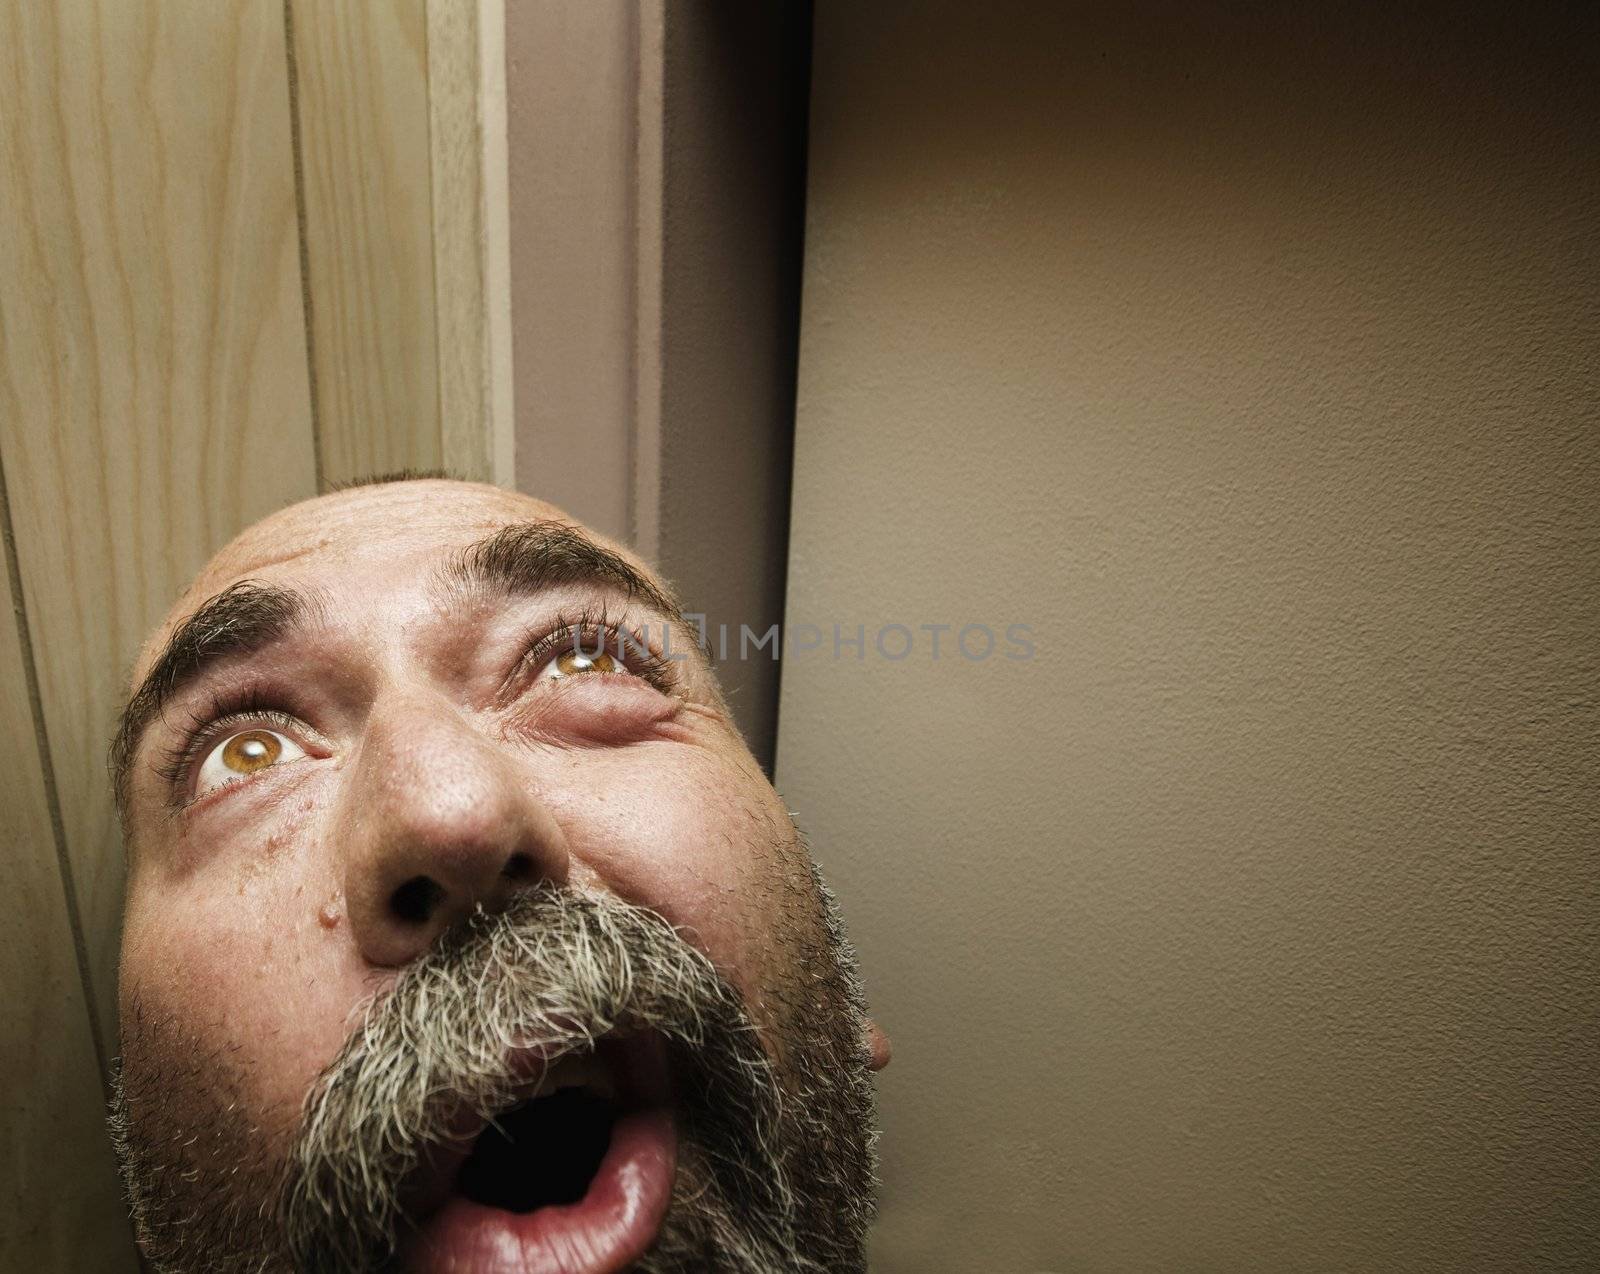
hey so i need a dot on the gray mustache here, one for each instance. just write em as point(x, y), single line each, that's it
point(558, 970)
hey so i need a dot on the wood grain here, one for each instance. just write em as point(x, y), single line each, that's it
point(471, 248)
point(156, 396)
point(361, 75)
point(59, 1203)
point(153, 389)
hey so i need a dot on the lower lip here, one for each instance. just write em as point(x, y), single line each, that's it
point(605, 1231)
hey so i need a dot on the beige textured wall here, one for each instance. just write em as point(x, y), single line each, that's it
point(1249, 356)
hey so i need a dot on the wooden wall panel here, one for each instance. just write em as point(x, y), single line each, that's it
point(181, 194)
point(153, 390)
point(59, 1203)
point(362, 112)
point(471, 235)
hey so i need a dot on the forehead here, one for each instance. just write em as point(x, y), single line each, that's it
point(352, 540)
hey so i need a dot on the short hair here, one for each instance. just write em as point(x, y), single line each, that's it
point(397, 475)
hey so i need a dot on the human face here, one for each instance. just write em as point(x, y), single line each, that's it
point(403, 860)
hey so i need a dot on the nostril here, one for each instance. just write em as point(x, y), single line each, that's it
point(416, 900)
point(518, 867)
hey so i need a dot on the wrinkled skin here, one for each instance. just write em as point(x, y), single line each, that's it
point(260, 913)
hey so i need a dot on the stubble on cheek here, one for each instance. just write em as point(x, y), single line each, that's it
point(199, 1154)
point(223, 1032)
point(764, 923)
point(234, 963)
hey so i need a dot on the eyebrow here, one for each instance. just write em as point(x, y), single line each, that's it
point(531, 557)
point(242, 618)
point(521, 559)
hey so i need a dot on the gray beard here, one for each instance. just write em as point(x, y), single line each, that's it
point(775, 1172)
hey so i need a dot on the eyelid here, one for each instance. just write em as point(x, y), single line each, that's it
point(590, 630)
point(178, 766)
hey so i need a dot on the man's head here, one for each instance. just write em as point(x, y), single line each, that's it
point(463, 932)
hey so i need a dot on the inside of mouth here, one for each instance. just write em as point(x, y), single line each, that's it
point(543, 1152)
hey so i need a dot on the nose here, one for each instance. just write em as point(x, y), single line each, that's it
point(438, 820)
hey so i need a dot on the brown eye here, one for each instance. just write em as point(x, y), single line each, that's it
point(570, 663)
point(251, 751)
point(243, 754)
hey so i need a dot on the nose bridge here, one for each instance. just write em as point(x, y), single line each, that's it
point(438, 821)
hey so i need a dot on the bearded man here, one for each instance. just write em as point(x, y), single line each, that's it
point(463, 933)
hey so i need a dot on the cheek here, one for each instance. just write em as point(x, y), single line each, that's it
point(240, 967)
point(686, 832)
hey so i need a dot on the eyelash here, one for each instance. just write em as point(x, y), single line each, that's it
point(242, 708)
point(226, 710)
point(592, 631)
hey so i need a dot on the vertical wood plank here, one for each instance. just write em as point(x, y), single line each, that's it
point(471, 237)
point(153, 389)
point(494, 104)
point(362, 100)
point(60, 1208)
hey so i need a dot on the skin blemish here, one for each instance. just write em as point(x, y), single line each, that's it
point(328, 914)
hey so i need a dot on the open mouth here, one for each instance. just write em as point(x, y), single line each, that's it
point(512, 1166)
point(574, 1179)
